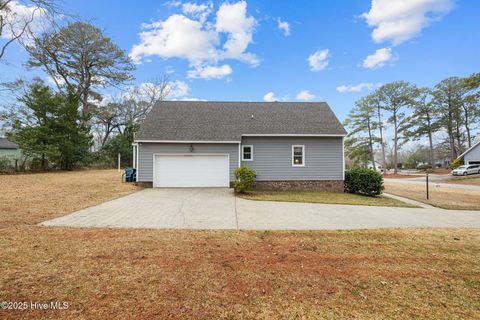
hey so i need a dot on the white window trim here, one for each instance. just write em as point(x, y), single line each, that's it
point(303, 155)
point(251, 152)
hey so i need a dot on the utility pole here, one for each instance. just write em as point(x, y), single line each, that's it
point(119, 158)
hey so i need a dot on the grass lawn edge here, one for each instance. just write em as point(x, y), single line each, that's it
point(264, 195)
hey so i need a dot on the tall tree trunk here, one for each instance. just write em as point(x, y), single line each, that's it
point(380, 126)
point(459, 141)
point(370, 144)
point(467, 128)
point(430, 144)
point(430, 139)
point(395, 143)
point(451, 138)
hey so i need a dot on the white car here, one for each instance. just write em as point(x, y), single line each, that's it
point(466, 169)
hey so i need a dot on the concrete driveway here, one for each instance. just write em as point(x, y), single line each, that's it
point(218, 208)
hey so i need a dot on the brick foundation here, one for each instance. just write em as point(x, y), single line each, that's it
point(302, 185)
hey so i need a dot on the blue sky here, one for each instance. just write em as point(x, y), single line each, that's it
point(237, 51)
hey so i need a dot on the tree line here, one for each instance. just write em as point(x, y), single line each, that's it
point(69, 124)
point(446, 116)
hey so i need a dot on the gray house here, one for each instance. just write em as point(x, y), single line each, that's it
point(9, 151)
point(290, 145)
point(472, 155)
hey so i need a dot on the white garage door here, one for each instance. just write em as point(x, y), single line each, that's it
point(197, 170)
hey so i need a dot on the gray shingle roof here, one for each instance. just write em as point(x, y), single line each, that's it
point(227, 121)
point(5, 144)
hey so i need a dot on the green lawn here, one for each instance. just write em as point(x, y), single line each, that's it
point(323, 197)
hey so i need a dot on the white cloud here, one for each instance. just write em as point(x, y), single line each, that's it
point(305, 95)
point(270, 97)
point(400, 20)
point(177, 89)
point(318, 60)
point(284, 26)
point(357, 87)
point(198, 11)
point(195, 37)
point(379, 58)
point(233, 20)
point(178, 36)
point(210, 72)
point(54, 80)
point(172, 3)
point(17, 16)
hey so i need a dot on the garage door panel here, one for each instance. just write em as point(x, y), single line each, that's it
point(191, 171)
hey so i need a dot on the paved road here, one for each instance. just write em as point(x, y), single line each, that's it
point(421, 181)
point(217, 208)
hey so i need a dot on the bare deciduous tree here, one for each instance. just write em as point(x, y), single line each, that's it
point(129, 108)
point(20, 20)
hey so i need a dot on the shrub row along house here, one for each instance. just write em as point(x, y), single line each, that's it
point(200, 144)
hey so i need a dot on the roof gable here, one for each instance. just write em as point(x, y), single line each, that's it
point(6, 144)
point(228, 121)
point(475, 145)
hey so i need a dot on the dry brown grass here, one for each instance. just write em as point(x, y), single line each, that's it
point(32, 198)
point(473, 181)
point(323, 197)
point(448, 198)
point(181, 274)
point(148, 274)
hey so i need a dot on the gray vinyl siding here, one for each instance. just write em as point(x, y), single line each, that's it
point(473, 155)
point(272, 158)
point(146, 151)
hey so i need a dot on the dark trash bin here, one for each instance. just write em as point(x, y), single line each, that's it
point(130, 175)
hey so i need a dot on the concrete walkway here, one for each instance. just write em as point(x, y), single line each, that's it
point(217, 208)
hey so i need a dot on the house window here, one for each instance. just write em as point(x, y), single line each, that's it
point(247, 153)
point(298, 155)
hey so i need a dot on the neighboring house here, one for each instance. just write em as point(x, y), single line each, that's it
point(442, 157)
point(290, 145)
point(472, 155)
point(9, 150)
point(442, 163)
point(378, 166)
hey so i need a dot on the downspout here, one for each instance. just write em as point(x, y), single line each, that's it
point(343, 158)
point(239, 156)
point(136, 162)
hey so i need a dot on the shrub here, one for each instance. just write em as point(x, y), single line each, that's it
point(424, 167)
point(244, 179)
point(5, 164)
point(456, 163)
point(364, 181)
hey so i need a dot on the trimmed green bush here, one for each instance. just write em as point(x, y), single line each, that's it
point(364, 181)
point(244, 179)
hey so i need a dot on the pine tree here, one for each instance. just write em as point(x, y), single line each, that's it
point(49, 127)
point(361, 122)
